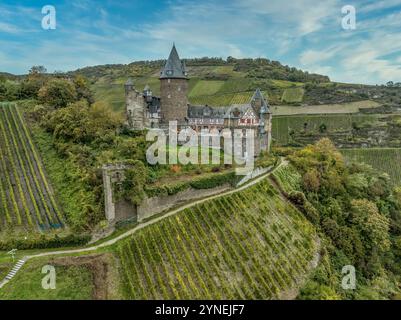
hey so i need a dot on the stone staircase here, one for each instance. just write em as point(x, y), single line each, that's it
point(16, 268)
point(13, 271)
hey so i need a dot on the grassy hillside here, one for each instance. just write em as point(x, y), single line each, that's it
point(222, 82)
point(248, 245)
point(385, 159)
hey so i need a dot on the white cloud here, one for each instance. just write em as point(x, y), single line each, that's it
point(379, 5)
point(8, 28)
point(303, 16)
point(311, 57)
point(366, 60)
point(302, 33)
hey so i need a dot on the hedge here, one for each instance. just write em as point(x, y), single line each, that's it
point(44, 242)
point(208, 182)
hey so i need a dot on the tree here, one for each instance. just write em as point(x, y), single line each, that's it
point(322, 128)
point(373, 227)
point(58, 93)
point(29, 88)
point(311, 180)
point(134, 182)
point(82, 88)
point(37, 70)
point(83, 124)
point(390, 84)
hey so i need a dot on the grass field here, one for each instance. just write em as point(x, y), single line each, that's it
point(283, 125)
point(248, 245)
point(385, 159)
point(27, 199)
point(72, 283)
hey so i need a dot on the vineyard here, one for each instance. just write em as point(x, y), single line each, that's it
point(288, 178)
point(292, 95)
point(226, 99)
point(282, 126)
point(26, 197)
point(385, 159)
point(247, 245)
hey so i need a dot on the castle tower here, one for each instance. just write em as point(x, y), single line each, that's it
point(258, 100)
point(261, 106)
point(174, 89)
point(135, 107)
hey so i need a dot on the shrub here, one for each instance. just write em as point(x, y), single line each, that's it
point(58, 93)
point(44, 242)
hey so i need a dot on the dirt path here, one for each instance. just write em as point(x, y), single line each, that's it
point(150, 222)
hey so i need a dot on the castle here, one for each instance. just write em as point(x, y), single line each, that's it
point(144, 110)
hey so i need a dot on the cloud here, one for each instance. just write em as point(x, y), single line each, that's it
point(366, 60)
point(301, 33)
point(310, 57)
point(379, 5)
point(8, 28)
point(302, 16)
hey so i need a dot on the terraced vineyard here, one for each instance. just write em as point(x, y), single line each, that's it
point(26, 196)
point(384, 159)
point(247, 245)
point(283, 125)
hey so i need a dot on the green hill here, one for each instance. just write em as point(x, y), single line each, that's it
point(213, 81)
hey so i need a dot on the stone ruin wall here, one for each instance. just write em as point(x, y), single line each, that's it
point(122, 210)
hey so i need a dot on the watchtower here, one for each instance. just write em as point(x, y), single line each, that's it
point(174, 89)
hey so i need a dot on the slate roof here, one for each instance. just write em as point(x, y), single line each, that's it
point(174, 67)
point(206, 112)
point(228, 112)
point(259, 95)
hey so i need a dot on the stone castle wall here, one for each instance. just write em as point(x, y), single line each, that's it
point(155, 205)
point(122, 210)
point(136, 106)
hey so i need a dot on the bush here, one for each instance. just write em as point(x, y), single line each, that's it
point(44, 242)
point(214, 181)
point(300, 201)
point(58, 93)
point(208, 182)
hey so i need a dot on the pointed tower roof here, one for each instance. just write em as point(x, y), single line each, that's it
point(129, 82)
point(258, 95)
point(174, 68)
point(147, 88)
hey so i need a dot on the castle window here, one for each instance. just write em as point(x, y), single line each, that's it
point(179, 88)
point(169, 96)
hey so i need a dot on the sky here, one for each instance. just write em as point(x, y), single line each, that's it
point(306, 34)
